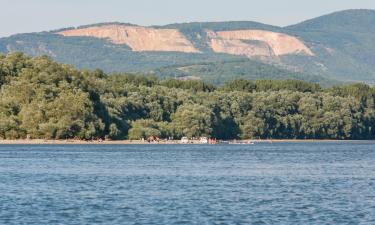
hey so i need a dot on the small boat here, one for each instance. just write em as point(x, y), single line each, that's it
point(241, 142)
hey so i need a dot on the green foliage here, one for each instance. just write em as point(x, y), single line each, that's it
point(196, 85)
point(92, 53)
point(342, 44)
point(144, 129)
point(270, 85)
point(219, 73)
point(43, 99)
point(239, 85)
point(46, 102)
point(193, 120)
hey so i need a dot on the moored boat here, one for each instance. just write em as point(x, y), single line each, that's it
point(235, 142)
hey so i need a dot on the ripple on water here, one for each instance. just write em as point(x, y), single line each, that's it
point(303, 183)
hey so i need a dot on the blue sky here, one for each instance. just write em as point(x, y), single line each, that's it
point(20, 16)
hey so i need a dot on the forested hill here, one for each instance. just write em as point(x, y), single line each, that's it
point(40, 98)
point(338, 46)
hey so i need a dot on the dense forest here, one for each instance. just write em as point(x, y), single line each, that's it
point(40, 98)
point(221, 72)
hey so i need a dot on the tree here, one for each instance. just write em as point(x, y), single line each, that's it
point(144, 129)
point(40, 98)
point(193, 120)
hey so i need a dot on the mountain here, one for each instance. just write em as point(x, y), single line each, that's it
point(343, 42)
point(339, 46)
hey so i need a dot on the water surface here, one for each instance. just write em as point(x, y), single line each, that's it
point(282, 183)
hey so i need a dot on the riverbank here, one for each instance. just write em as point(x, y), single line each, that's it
point(67, 142)
point(139, 142)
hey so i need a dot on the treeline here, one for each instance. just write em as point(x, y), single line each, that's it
point(40, 98)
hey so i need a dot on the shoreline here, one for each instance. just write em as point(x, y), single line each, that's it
point(171, 142)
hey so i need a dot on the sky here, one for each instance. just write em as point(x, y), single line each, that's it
point(22, 16)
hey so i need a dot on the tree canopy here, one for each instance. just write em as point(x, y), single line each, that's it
point(40, 98)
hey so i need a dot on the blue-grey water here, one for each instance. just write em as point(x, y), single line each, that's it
point(283, 183)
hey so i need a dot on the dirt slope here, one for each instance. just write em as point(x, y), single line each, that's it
point(256, 43)
point(138, 38)
point(239, 42)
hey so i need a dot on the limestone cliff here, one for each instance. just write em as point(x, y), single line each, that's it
point(241, 42)
point(138, 38)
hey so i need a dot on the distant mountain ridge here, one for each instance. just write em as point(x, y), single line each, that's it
point(339, 46)
point(246, 42)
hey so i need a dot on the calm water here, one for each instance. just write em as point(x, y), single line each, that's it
point(296, 183)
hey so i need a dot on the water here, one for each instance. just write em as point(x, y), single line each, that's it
point(295, 183)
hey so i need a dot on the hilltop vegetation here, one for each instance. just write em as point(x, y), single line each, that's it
point(40, 98)
point(219, 73)
point(342, 44)
point(88, 52)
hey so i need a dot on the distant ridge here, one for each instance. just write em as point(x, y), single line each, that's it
point(337, 46)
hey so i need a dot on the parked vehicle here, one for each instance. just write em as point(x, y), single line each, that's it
point(184, 140)
point(203, 140)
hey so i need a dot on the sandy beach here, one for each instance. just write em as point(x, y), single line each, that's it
point(74, 142)
point(139, 142)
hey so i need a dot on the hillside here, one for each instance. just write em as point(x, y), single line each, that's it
point(337, 46)
point(344, 42)
point(224, 71)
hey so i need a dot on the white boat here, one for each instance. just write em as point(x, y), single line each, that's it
point(241, 143)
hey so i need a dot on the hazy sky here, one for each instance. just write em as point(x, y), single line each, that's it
point(20, 16)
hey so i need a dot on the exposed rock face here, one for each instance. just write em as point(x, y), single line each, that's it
point(138, 38)
point(243, 42)
point(238, 47)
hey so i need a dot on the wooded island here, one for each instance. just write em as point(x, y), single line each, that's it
point(42, 99)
